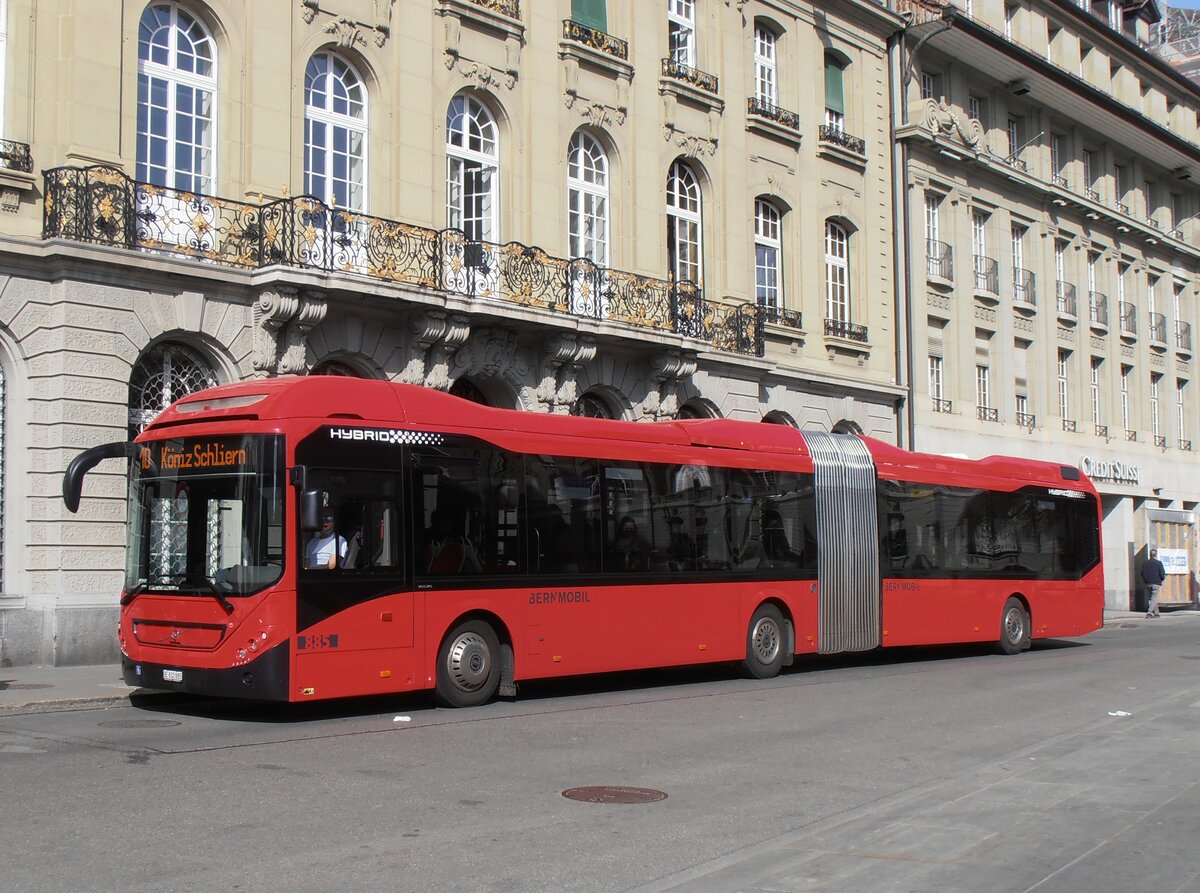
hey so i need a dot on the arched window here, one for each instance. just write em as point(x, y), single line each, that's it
point(683, 224)
point(177, 88)
point(766, 83)
point(472, 164)
point(835, 93)
point(837, 272)
point(335, 132)
point(162, 375)
point(587, 199)
point(592, 406)
point(768, 225)
point(468, 390)
point(335, 368)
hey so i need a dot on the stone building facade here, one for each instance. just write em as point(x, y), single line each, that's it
point(643, 210)
point(1052, 173)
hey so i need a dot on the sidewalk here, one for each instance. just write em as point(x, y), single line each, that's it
point(35, 688)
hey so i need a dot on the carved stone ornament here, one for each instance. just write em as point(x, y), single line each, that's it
point(313, 308)
point(483, 76)
point(942, 119)
point(692, 146)
point(559, 362)
point(309, 10)
point(345, 33)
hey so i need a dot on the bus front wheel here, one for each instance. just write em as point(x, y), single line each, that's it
point(1015, 635)
point(468, 667)
point(764, 643)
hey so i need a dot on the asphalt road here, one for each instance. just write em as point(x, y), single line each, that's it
point(941, 769)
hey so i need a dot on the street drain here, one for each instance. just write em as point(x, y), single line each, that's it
point(608, 793)
point(138, 723)
point(24, 686)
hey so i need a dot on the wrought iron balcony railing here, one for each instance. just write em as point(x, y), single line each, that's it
point(1094, 195)
point(1123, 208)
point(829, 133)
point(1183, 335)
point(15, 157)
point(1014, 162)
point(596, 39)
point(1160, 441)
point(1024, 287)
point(510, 8)
point(1098, 308)
point(1154, 223)
point(840, 328)
point(1185, 445)
point(939, 259)
point(764, 109)
point(1067, 304)
point(987, 413)
point(1158, 328)
point(1102, 431)
point(694, 76)
point(1060, 180)
point(1128, 318)
point(1130, 436)
point(103, 206)
point(987, 274)
point(942, 405)
point(781, 316)
point(1069, 425)
point(1026, 420)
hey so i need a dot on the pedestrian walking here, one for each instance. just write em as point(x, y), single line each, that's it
point(1153, 575)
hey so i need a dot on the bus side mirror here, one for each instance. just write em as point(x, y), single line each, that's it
point(311, 503)
point(72, 487)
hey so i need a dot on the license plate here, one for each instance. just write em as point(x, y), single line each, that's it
point(172, 675)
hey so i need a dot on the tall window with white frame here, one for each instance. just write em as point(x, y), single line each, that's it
point(1155, 420)
point(1060, 277)
point(985, 273)
point(937, 255)
point(681, 32)
point(1023, 284)
point(937, 352)
point(1097, 373)
point(766, 83)
point(177, 90)
point(1064, 388)
point(1181, 431)
point(1021, 383)
point(837, 277)
point(983, 377)
point(683, 225)
point(472, 167)
point(835, 93)
point(335, 132)
point(1014, 139)
point(1126, 418)
point(587, 199)
point(767, 242)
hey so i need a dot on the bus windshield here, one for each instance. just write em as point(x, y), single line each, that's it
point(206, 515)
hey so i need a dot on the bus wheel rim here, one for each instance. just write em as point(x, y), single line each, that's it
point(1014, 626)
point(469, 662)
point(766, 640)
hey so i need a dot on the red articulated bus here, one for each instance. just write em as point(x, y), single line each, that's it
point(302, 538)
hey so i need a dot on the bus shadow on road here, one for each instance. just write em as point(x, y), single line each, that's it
point(669, 682)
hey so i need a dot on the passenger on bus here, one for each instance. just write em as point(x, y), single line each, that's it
point(326, 548)
point(629, 550)
point(446, 552)
point(681, 550)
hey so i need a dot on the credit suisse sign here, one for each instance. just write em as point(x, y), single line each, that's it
point(1111, 470)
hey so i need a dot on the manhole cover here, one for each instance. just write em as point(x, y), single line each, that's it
point(607, 793)
point(25, 686)
point(138, 723)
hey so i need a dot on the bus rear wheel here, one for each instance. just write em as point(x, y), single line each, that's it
point(1015, 635)
point(764, 643)
point(468, 667)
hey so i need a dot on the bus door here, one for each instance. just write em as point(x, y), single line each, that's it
point(848, 536)
point(353, 610)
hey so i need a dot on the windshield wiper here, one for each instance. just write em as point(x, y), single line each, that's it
point(131, 594)
point(180, 580)
point(219, 595)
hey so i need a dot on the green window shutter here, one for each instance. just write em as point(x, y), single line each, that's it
point(835, 99)
point(591, 13)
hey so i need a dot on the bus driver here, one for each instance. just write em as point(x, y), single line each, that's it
point(327, 548)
